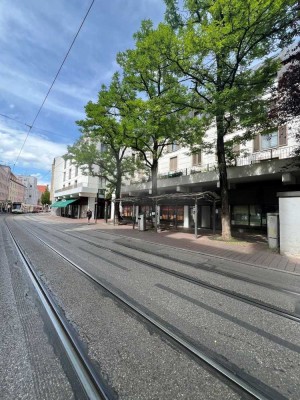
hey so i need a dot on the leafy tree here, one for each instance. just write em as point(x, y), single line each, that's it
point(155, 117)
point(221, 46)
point(45, 197)
point(288, 90)
point(286, 94)
point(101, 150)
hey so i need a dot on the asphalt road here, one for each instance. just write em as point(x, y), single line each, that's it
point(136, 361)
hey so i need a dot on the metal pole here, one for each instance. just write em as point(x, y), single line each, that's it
point(155, 222)
point(214, 217)
point(115, 213)
point(196, 218)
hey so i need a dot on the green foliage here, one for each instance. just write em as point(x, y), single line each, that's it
point(101, 149)
point(221, 47)
point(160, 113)
point(45, 197)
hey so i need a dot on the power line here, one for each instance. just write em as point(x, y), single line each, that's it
point(36, 127)
point(52, 84)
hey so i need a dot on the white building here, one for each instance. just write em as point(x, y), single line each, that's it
point(258, 171)
point(31, 191)
point(72, 193)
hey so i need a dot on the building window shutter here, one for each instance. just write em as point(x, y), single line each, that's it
point(196, 158)
point(256, 143)
point(282, 133)
point(173, 164)
point(236, 148)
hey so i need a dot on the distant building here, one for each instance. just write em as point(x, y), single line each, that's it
point(16, 189)
point(41, 189)
point(78, 192)
point(31, 191)
point(4, 186)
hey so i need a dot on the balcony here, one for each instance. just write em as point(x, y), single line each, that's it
point(254, 164)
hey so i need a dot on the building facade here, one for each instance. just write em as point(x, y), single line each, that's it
point(31, 191)
point(16, 189)
point(257, 171)
point(4, 186)
point(73, 193)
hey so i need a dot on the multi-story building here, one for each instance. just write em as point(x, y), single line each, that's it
point(258, 171)
point(16, 190)
point(4, 186)
point(73, 193)
point(31, 192)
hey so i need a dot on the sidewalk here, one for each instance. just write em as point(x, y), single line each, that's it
point(246, 247)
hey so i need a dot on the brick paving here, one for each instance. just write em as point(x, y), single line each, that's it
point(247, 247)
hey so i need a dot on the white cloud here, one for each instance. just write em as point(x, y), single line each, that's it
point(38, 152)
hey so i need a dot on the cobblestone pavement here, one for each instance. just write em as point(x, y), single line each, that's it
point(246, 247)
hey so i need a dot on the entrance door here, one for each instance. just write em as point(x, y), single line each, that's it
point(205, 217)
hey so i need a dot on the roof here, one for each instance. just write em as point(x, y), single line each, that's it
point(42, 188)
point(172, 197)
point(63, 203)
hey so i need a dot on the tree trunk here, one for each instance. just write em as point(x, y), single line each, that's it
point(154, 169)
point(118, 191)
point(225, 214)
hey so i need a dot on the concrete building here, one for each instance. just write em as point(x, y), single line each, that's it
point(31, 192)
point(260, 168)
point(16, 190)
point(4, 186)
point(72, 193)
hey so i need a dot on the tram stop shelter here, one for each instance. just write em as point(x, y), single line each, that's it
point(194, 200)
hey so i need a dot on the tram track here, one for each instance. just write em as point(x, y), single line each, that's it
point(88, 377)
point(196, 281)
point(235, 377)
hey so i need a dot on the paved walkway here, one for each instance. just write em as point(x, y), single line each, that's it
point(247, 247)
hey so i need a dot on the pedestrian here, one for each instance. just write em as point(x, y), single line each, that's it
point(89, 215)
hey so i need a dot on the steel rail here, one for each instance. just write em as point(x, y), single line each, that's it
point(229, 293)
point(232, 376)
point(80, 362)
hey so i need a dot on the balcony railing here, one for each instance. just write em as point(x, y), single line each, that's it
point(264, 155)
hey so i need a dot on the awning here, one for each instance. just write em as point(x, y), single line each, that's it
point(63, 203)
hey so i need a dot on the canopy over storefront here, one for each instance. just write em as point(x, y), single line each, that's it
point(63, 203)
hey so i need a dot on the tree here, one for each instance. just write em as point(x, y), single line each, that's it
point(286, 95)
point(156, 119)
point(216, 44)
point(101, 150)
point(45, 197)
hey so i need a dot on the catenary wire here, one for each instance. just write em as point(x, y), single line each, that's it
point(52, 84)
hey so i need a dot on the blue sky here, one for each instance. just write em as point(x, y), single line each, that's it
point(34, 38)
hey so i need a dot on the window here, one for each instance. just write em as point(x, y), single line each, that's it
point(169, 213)
point(70, 173)
point(196, 158)
point(65, 164)
point(75, 184)
point(172, 147)
point(271, 140)
point(240, 215)
point(76, 171)
point(64, 176)
point(268, 141)
point(173, 164)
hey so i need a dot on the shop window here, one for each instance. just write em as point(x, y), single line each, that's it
point(240, 215)
point(255, 215)
point(169, 213)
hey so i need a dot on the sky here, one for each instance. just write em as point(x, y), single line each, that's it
point(35, 36)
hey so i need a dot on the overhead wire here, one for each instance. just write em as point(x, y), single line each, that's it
point(52, 84)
